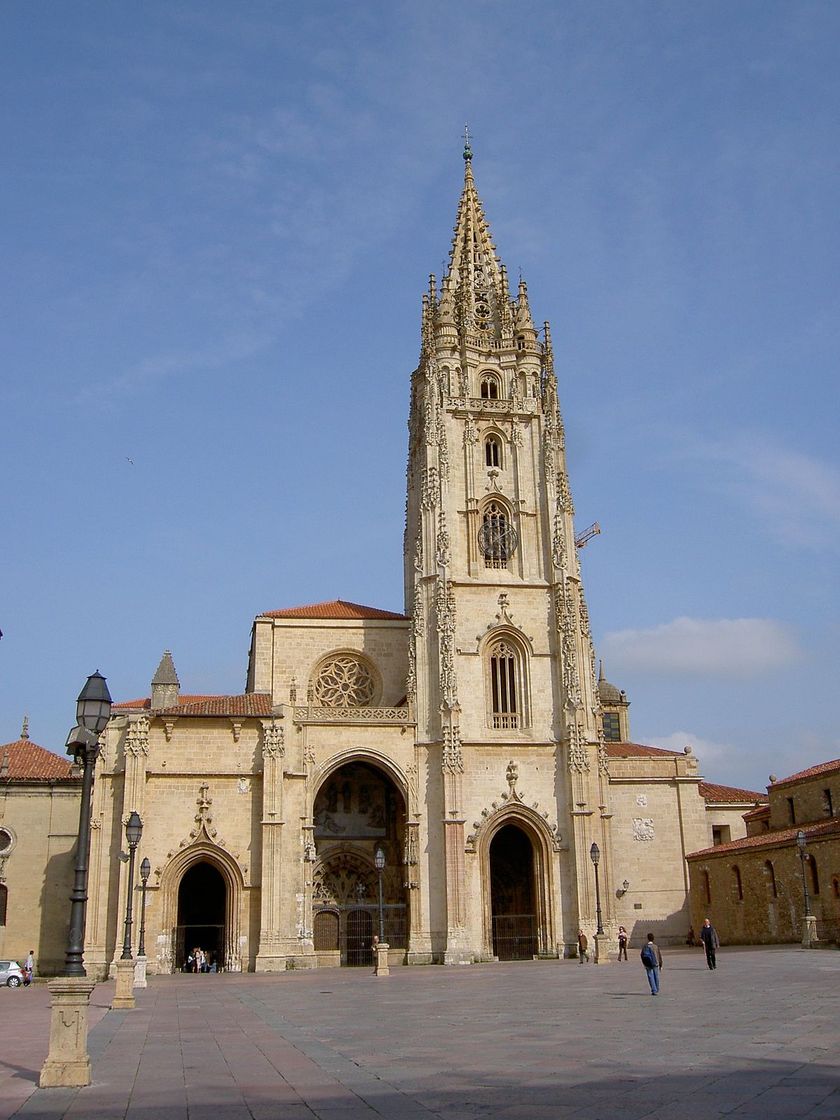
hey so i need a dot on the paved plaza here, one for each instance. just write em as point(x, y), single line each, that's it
point(759, 1039)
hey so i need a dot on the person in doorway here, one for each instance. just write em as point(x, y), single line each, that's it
point(29, 968)
point(583, 947)
point(652, 960)
point(622, 942)
point(711, 942)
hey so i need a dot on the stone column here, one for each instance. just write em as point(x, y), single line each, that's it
point(68, 1062)
point(382, 968)
point(270, 957)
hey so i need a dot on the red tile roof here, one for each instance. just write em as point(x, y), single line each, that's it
point(757, 814)
point(146, 702)
point(27, 762)
point(811, 772)
point(336, 608)
point(777, 839)
point(248, 704)
point(713, 792)
point(637, 750)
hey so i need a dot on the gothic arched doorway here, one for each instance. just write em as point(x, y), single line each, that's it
point(512, 894)
point(202, 914)
point(357, 810)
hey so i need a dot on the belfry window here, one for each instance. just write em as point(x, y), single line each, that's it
point(612, 727)
point(503, 686)
point(489, 387)
point(492, 451)
point(497, 537)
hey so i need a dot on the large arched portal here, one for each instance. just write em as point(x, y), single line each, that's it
point(512, 895)
point(202, 914)
point(358, 809)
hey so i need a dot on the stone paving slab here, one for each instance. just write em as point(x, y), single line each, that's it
point(759, 1039)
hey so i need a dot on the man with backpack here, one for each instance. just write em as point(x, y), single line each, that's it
point(652, 960)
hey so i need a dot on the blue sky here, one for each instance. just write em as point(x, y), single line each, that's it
point(218, 221)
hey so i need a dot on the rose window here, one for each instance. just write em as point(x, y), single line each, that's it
point(344, 682)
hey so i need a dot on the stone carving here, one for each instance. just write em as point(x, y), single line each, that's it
point(641, 800)
point(566, 625)
point(470, 432)
point(445, 611)
point(643, 828)
point(344, 880)
point(137, 738)
point(273, 741)
point(578, 754)
point(344, 681)
point(453, 759)
point(443, 554)
point(429, 488)
point(512, 776)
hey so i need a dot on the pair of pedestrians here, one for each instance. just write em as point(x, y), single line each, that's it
point(652, 956)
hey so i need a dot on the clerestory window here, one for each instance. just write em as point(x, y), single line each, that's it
point(489, 387)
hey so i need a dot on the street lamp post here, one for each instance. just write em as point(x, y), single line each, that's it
point(809, 922)
point(133, 832)
point(145, 872)
point(68, 1062)
point(379, 860)
point(595, 856)
point(140, 963)
point(124, 967)
point(381, 947)
point(93, 710)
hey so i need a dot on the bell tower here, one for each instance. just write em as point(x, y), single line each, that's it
point(501, 663)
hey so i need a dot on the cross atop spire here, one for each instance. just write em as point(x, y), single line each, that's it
point(467, 145)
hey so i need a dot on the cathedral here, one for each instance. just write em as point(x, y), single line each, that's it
point(460, 773)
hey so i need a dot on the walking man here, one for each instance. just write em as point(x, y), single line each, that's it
point(652, 960)
point(583, 947)
point(711, 942)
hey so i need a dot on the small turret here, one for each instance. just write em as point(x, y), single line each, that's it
point(165, 684)
point(526, 333)
point(614, 705)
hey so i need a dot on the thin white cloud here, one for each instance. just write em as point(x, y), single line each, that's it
point(708, 753)
point(796, 495)
point(718, 647)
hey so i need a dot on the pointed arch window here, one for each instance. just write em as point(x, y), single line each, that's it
point(506, 685)
point(813, 874)
point(493, 451)
point(738, 883)
point(4, 900)
point(489, 387)
point(770, 872)
point(497, 537)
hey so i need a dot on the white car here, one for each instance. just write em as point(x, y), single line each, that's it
point(11, 974)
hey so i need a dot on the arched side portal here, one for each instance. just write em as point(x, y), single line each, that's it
point(519, 893)
point(512, 895)
point(358, 808)
point(202, 914)
point(202, 891)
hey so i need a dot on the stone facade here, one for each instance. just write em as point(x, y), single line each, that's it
point(39, 823)
point(466, 740)
point(754, 888)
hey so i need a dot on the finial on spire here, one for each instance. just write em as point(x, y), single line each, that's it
point(24, 731)
point(467, 145)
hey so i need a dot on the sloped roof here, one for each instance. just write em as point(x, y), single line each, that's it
point(812, 772)
point(776, 839)
point(335, 608)
point(638, 750)
point(246, 704)
point(732, 794)
point(145, 702)
point(27, 762)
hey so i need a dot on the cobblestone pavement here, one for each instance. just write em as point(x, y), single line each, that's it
point(759, 1039)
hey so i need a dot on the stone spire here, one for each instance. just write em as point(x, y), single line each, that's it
point(474, 281)
point(165, 683)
